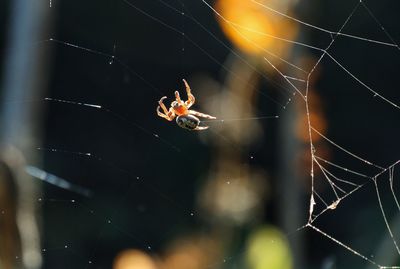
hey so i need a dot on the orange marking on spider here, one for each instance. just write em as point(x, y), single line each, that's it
point(185, 117)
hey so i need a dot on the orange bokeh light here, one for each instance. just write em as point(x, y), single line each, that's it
point(252, 28)
point(133, 259)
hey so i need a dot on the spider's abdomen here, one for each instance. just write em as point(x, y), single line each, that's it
point(189, 122)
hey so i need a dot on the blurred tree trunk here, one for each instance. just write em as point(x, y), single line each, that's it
point(9, 235)
point(290, 204)
point(22, 85)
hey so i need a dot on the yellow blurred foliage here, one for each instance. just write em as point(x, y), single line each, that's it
point(267, 248)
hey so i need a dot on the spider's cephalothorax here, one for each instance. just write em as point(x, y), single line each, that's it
point(186, 118)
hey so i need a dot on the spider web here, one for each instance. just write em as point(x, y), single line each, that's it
point(99, 209)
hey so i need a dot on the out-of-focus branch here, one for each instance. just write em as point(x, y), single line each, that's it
point(23, 81)
point(9, 235)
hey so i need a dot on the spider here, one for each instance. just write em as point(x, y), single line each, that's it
point(185, 117)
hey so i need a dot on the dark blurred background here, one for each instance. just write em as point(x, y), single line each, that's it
point(163, 197)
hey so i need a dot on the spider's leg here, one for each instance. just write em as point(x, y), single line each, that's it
point(178, 97)
point(201, 115)
point(168, 114)
point(200, 128)
point(164, 108)
point(171, 114)
point(191, 98)
point(160, 114)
